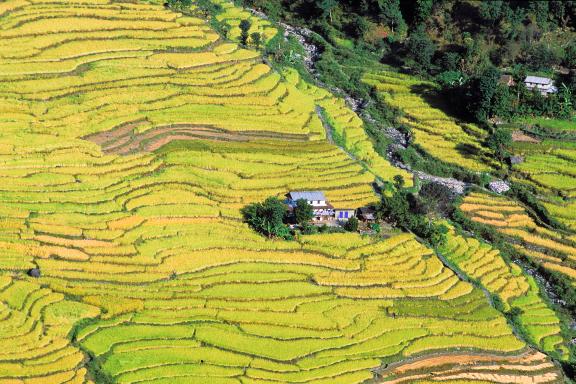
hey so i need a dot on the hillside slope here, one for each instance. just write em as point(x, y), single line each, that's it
point(130, 137)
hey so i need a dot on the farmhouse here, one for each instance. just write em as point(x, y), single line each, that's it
point(323, 210)
point(543, 84)
point(367, 214)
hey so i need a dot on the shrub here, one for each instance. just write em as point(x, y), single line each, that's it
point(351, 225)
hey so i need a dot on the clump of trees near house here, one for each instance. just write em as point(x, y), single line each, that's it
point(270, 218)
point(267, 218)
point(406, 209)
point(481, 97)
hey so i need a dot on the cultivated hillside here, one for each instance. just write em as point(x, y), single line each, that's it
point(130, 138)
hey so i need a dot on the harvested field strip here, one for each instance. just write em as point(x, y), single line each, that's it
point(125, 140)
point(473, 369)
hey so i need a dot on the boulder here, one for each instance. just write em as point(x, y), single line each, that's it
point(34, 272)
point(499, 186)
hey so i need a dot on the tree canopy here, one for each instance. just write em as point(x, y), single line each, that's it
point(267, 217)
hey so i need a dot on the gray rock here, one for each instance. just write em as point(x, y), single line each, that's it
point(499, 186)
point(34, 272)
point(516, 160)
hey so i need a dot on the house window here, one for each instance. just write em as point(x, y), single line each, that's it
point(340, 214)
point(346, 214)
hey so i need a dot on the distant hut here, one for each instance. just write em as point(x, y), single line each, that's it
point(367, 214)
point(543, 84)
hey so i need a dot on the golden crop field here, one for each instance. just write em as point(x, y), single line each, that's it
point(514, 290)
point(552, 249)
point(130, 138)
point(550, 167)
point(440, 135)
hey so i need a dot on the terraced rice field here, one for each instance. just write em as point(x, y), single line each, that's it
point(231, 15)
point(442, 136)
point(552, 249)
point(130, 137)
point(514, 290)
point(550, 166)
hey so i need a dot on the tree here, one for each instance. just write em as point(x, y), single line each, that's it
point(303, 212)
point(398, 181)
point(327, 6)
point(482, 93)
point(421, 48)
point(502, 102)
point(389, 13)
point(491, 10)
point(245, 26)
point(423, 10)
point(179, 4)
point(565, 101)
point(267, 217)
point(351, 225)
point(499, 142)
point(256, 39)
point(570, 55)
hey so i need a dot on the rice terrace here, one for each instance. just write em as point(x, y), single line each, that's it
point(274, 191)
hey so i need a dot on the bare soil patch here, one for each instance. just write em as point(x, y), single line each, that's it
point(521, 137)
point(125, 140)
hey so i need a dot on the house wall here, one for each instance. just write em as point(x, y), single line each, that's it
point(344, 214)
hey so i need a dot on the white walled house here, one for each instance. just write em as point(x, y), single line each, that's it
point(543, 84)
point(344, 214)
point(323, 211)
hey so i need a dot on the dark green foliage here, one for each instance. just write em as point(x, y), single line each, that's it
point(570, 55)
point(499, 142)
point(267, 218)
point(327, 6)
point(398, 181)
point(401, 210)
point(303, 212)
point(436, 198)
point(481, 94)
point(421, 49)
point(244, 28)
point(390, 14)
point(351, 225)
point(542, 57)
point(423, 10)
point(491, 11)
point(256, 39)
point(179, 4)
point(308, 229)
